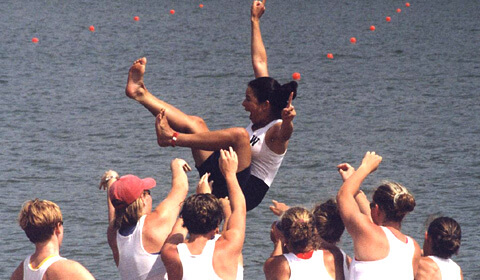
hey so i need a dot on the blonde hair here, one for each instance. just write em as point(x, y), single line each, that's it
point(129, 216)
point(39, 218)
point(298, 226)
point(395, 200)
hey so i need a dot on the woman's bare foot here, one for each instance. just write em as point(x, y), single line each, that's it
point(135, 87)
point(164, 131)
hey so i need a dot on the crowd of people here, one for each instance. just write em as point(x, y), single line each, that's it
point(201, 236)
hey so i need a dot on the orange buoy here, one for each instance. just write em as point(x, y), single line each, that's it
point(388, 19)
point(92, 28)
point(372, 27)
point(399, 10)
point(296, 76)
point(201, 5)
point(136, 18)
point(407, 4)
point(329, 55)
point(35, 40)
point(353, 40)
point(172, 12)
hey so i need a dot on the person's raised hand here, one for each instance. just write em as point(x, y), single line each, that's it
point(228, 161)
point(180, 164)
point(258, 8)
point(108, 176)
point(371, 161)
point(204, 186)
point(278, 208)
point(345, 170)
point(288, 113)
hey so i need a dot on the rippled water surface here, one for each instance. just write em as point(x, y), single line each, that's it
point(409, 90)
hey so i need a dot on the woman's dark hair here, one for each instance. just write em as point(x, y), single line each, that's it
point(266, 88)
point(201, 213)
point(395, 200)
point(329, 224)
point(298, 227)
point(445, 234)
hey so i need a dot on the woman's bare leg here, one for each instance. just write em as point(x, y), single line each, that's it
point(137, 90)
point(177, 119)
point(194, 132)
point(235, 137)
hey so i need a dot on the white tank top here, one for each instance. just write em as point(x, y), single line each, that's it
point(448, 268)
point(135, 263)
point(346, 271)
point(265, 162)
point(198, 267)
point(304, 269)
point(30, 273)
point(396, 266)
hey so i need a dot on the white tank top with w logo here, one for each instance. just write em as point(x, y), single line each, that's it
point(265, 162)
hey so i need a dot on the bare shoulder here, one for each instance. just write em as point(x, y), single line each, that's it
point(68, 269)
point(172, 262)
point(276, 267)
point(274, 139)
point(18, 273)
point(427, 269)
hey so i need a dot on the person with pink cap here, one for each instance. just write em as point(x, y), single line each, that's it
point(136, 232)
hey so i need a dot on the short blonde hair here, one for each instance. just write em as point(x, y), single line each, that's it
point(129, 216)
point(39, 218)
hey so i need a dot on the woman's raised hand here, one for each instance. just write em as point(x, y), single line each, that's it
point(288, 113)
point(258, 8)
point(371, 161)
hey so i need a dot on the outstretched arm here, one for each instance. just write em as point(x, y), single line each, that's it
point(278, 208)
point(259, 54)
point(276, 267)
point(358, 224)
point(346, 170)
point(165, 214)
point(278, 135)
point(235, 232)
point(108, 178)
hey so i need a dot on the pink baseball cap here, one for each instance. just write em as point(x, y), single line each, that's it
point(129, 188)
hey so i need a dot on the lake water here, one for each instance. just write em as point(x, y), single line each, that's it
point(409, 91)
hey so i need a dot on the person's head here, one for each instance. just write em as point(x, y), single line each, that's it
point(201, 213)
point(298, 227)
point(131, 198)
point(265, 97)
point(328, 222)
point(443, 238)
point(394, 200)
point(40, 219)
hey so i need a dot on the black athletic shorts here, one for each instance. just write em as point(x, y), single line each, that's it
point(253, 188)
